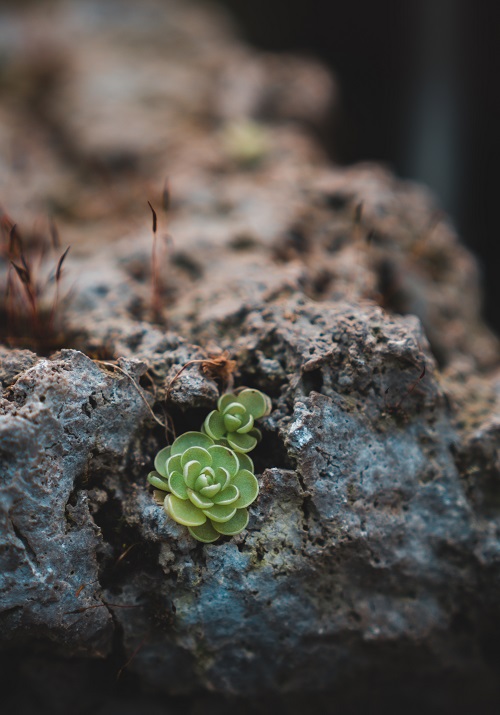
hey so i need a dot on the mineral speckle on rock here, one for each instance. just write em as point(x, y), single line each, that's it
point(373, 551)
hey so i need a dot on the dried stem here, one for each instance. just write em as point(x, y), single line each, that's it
point(411, 388)
point(155, 276)
point(101, 605)
point(124, 554)
point(134, 383)
point(397, 406)
point(178, 374)
point(220, 364)
point(135, 652)
point(58, 282)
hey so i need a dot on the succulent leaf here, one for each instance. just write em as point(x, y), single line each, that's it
point(255, 432)
point(246, 427)
point(161, 461)
point(198, 454)
point(245, 462)
point(201, 482)
point(225, 458)
point(205, 532)
point(190, 439)
point(231, 422)
point(227, 496)
point(241, 442)
point(184, 512)
point(235, 416)
point(255, 402)
point(233, 526)
point(174, 464)
point(211, 490)
point(225, 401)
point(157, 481)
point(222, 477)
point(177, 485)
point(198, 500)
point(214, 425)
point(248, 488)
point(234, 408)
point(220, 512)
point(191, 472)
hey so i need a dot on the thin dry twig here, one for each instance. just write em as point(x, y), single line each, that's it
point(397, 406)
point(77, 611)
point(169, 423)
point(217, 366)
point(114, 366)
point(134, 653)
point(124, 554)
point(412, 387)
point(84, 585)
point(58, 281)
point(177, 375)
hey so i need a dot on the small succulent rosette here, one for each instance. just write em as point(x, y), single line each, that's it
point(208, 485)
point(232, 423)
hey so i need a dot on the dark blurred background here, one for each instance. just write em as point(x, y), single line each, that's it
point(419, 89)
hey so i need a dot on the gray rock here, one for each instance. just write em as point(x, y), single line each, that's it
point(373, 551)
point(64, 420)
point(368, 541)
point(13, 362)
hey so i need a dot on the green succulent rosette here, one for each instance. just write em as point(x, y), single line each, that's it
point(208, 485)
point(232, 423)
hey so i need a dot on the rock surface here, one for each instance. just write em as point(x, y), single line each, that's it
point(373, 552)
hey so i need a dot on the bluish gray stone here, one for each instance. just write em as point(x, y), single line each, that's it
point(62, 420)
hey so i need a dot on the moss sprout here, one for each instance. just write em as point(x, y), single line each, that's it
point(32, 308)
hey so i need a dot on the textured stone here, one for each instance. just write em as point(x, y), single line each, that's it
point(373, 552)
point(63, 419)
point(363, 535)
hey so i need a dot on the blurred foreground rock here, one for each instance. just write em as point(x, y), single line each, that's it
point(373, 552)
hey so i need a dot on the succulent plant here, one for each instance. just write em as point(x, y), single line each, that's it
point(209, 486)
point(232, 423)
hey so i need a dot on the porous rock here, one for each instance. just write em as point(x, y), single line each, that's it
point(363, 535)
point(345, 295)
point(62, 419)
